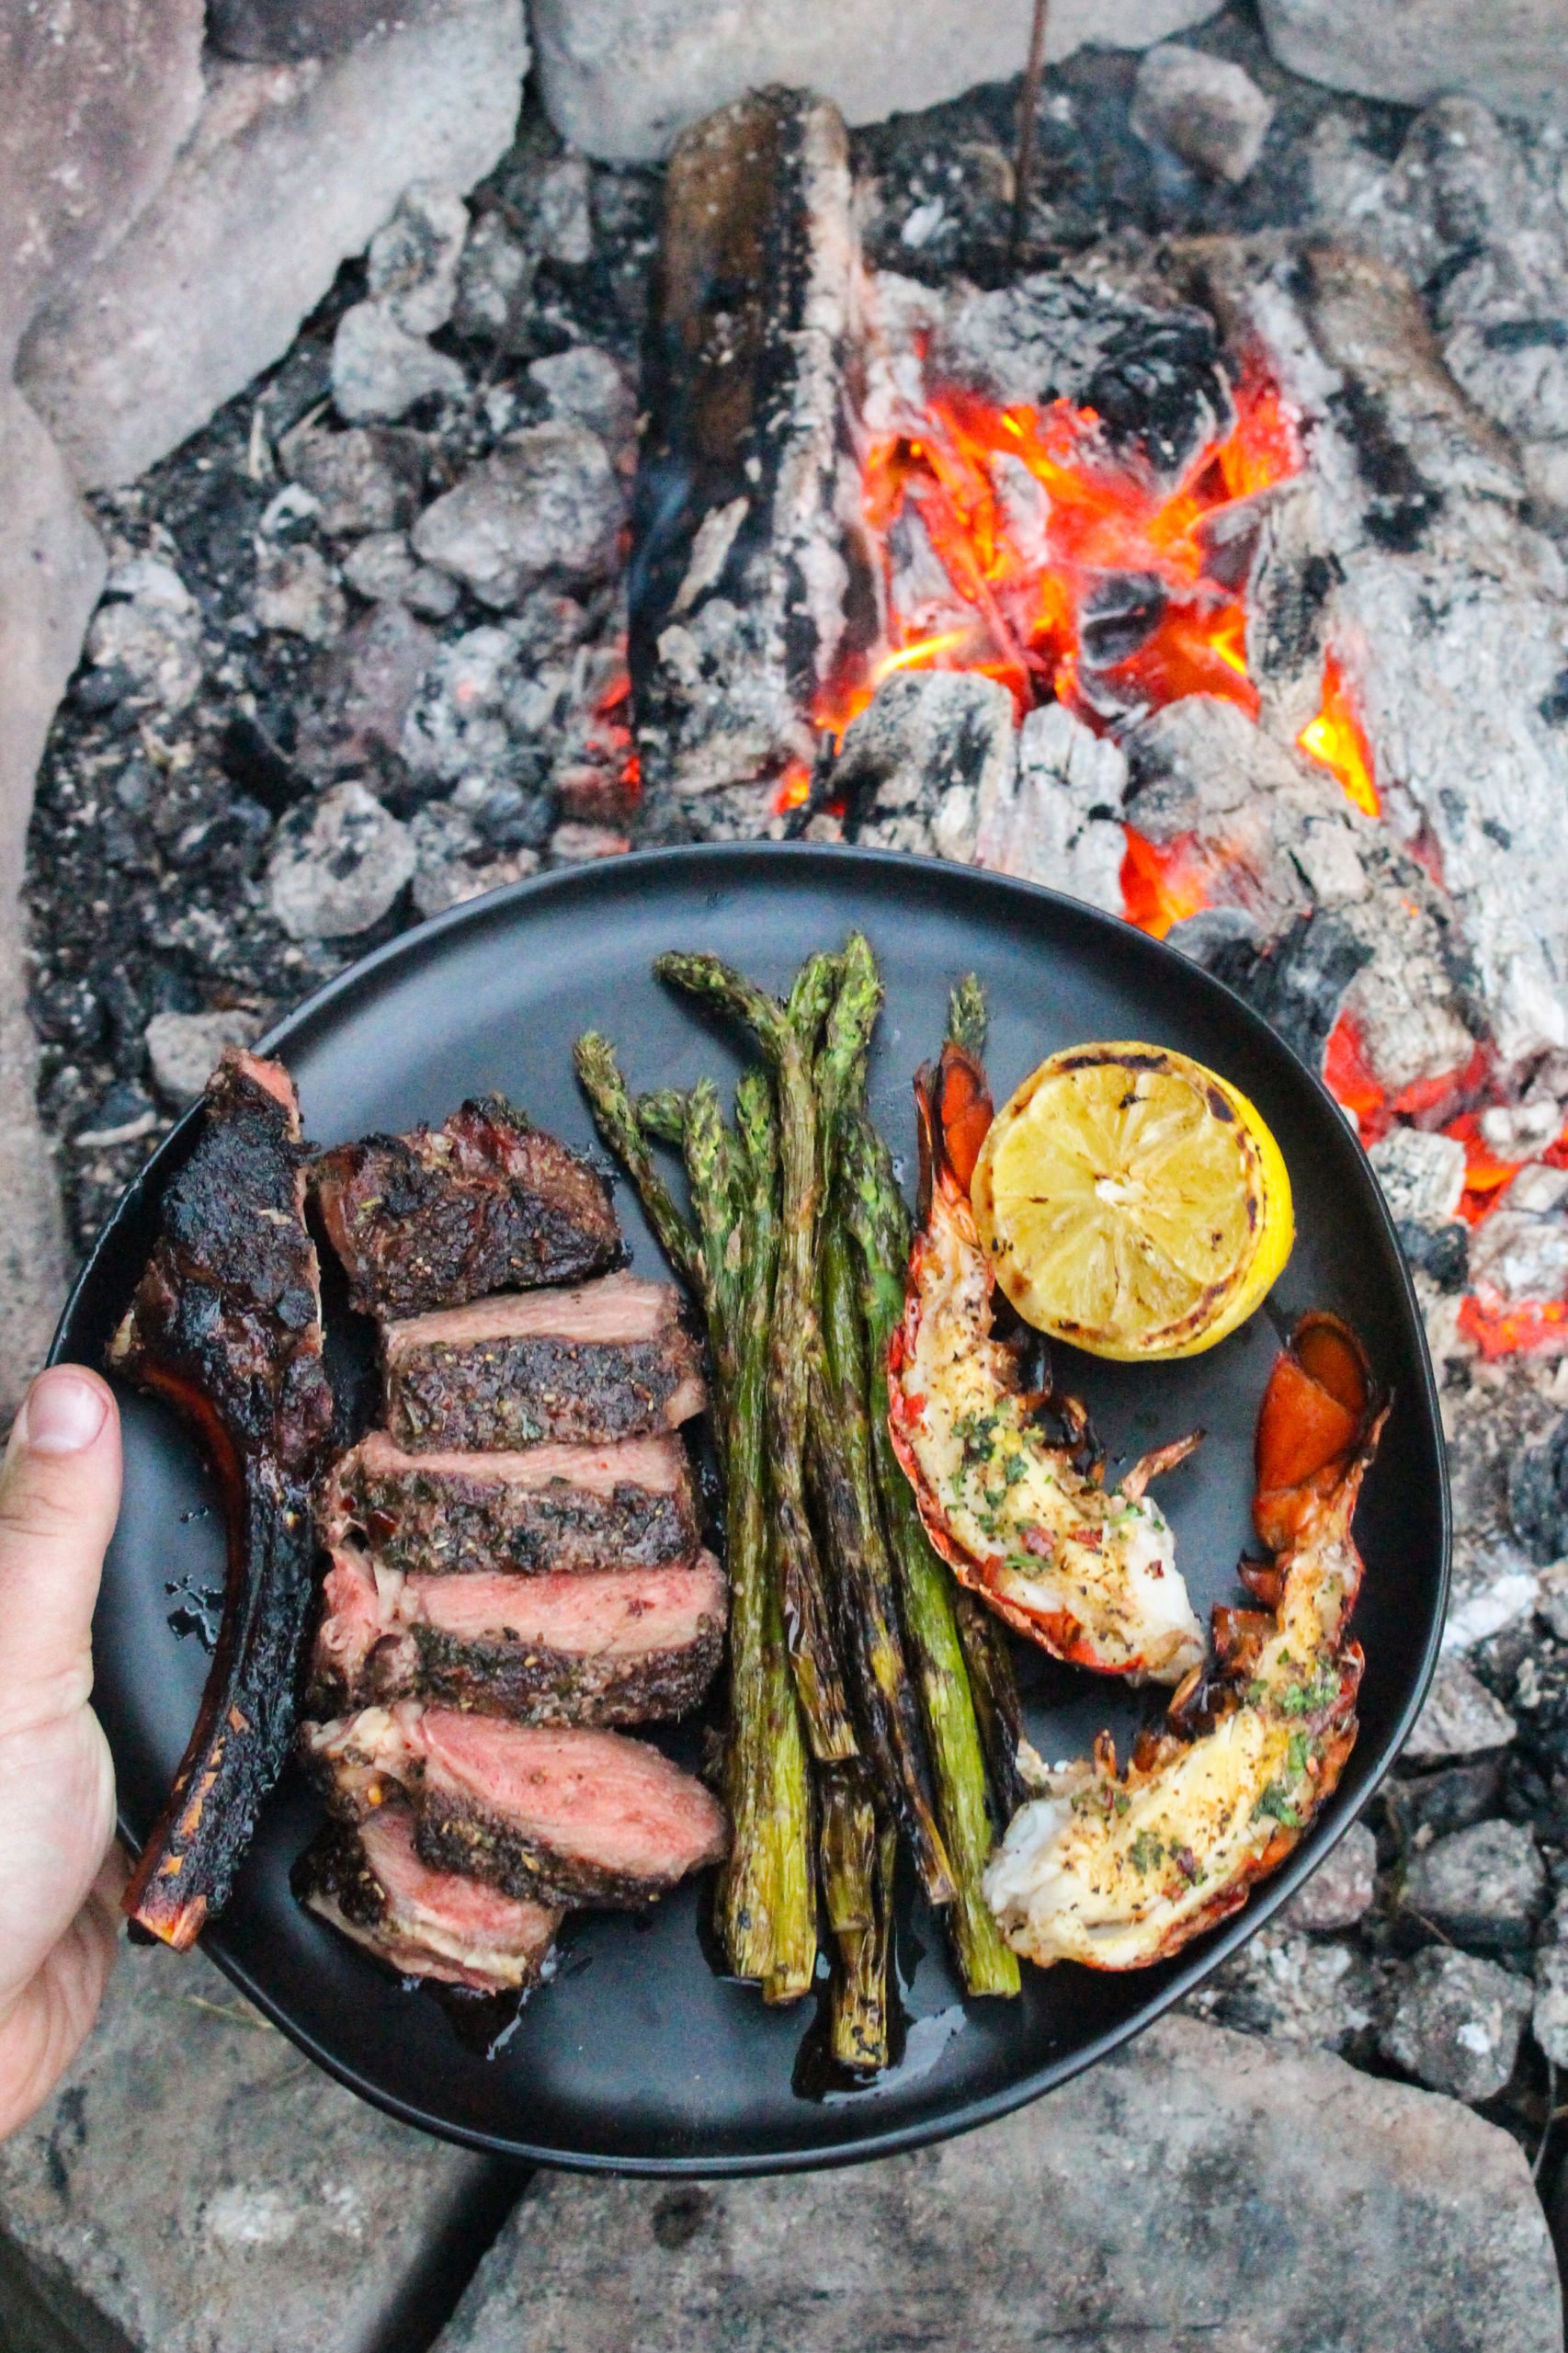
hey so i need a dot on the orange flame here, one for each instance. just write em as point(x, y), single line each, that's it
point(1162, 882)
point(1024, 546)
point(1535, 1327)
point(1338, 740)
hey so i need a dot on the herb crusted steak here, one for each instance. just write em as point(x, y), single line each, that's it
point(562, 1511)
point(368, 1881)
point(622, 1647)
point(611, 1359)
point(556, 1816)
point(225, 1325)
point(445, 1215)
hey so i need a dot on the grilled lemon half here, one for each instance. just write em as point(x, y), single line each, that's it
point(1132, 1203)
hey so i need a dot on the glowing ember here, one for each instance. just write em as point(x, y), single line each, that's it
point(1018, 543)
point(1163, 882)
point(1537, 1327)
point(1035, 520)
point(1337, 738)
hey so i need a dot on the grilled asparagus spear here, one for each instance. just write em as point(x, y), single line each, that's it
point(793, 1335)
point(765, 1904)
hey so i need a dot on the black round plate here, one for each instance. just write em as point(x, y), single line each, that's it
point(638, 2056)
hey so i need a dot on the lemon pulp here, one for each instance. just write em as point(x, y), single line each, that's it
point(1133, 1201)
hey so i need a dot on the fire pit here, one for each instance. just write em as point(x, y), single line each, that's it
point(1201, 555)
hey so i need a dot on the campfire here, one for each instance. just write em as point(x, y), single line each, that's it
point(1132, 579)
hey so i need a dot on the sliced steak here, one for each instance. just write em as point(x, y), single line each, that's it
point(368, 1880)
point(561, 1509)
point(623, 1647)
point(225, 1325)
point(559, 1816)
point(446, 1215)
point(611, 1360)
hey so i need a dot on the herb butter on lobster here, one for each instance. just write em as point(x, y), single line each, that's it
point(1119, 1872)
point(1086, 1570)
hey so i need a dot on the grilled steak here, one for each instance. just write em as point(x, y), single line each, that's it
point(368, 1881)
point(622, 1647)
point(225, 1324)
point(609, 1360)
point(446, 1215)
point(564, 1509)
point(558, 1816)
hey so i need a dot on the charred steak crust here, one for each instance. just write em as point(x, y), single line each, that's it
point(446, 1215)
point(335, 1865)
point(454, 1834)
point(516, 1392)
point(225, 1327)
point(524, 1681)
point(444, 1524)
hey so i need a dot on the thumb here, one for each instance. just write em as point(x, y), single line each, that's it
point(59, 1499)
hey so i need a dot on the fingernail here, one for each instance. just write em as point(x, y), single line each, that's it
point(63, 1413)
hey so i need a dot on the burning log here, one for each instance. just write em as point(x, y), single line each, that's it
point(1271, 832)
point(920, 761)
point(1405, 560)
point(748, 556)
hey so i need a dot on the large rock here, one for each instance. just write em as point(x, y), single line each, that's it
point(197, 2187)
point(622, 78)
point(96, 103)
point(280, 32)
point(1200, 2188)
point(1512, 54)
point(289, 170)
point(51, 569)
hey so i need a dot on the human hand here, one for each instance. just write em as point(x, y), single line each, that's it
point(60, 1873)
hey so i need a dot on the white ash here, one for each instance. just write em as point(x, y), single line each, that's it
point(1203, 108)
point(1492, 1589)
point(1537, 1189)
point(1551, 1596)
point(368, 478)
point(547, 503)
point(1516, 1257)
point(495, 280)
point(337, 864)
point(184, 1049)
point(380, 371)
point(297, 590)
point(1293, 1988)
point(1437, 579)
point(412, 264)
point(1063, 335)
point(1460, 1719)
point(590, 387)
point(1549, 2015)
point(450, 861)
point(1281, 839)
point(1421, 1175)
point(1514, 1130)
point(918, 764)
point(149, 628)
point(1054, 814)
point(563, 222)
point(383, 569)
